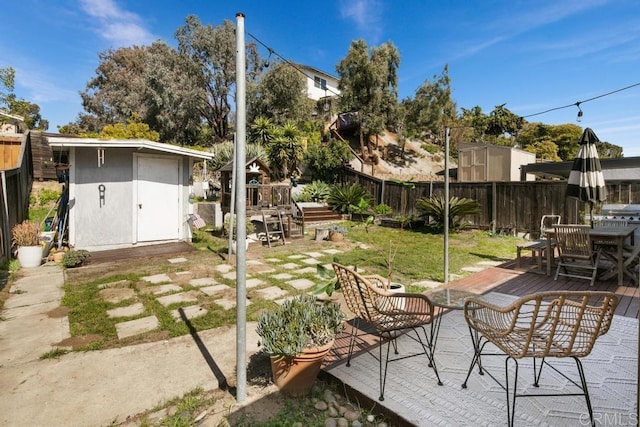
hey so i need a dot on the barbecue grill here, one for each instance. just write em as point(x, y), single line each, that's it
point(630, 212)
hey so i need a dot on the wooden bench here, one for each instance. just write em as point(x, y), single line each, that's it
point(537, 248)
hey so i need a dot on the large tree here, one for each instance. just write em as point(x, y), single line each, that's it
point(369, 86)
point(18, 106)
point(281, 95)
point(431, 110)
point(211, 52)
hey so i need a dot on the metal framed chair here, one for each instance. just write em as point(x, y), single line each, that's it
point(576, 252)
point(542, 326)
point(389, 314)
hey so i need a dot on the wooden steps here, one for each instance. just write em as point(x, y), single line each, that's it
point(319, 214)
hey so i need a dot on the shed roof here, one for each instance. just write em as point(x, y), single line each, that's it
point(140, 144)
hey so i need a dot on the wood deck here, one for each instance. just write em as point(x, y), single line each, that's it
point(507, 279)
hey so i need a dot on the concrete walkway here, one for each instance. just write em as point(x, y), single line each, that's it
point(99, 387)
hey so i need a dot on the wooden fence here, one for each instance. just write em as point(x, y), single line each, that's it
point(15, 186)
point(515, 207)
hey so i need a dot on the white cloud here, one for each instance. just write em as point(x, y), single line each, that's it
point(118, 26)
point(367, 15)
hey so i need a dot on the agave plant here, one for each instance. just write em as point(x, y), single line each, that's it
point(342, 198)
point(434, 207)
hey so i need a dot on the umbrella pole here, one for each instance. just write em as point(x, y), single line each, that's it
point(591, 213)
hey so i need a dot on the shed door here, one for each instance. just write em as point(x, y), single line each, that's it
point(158, 201)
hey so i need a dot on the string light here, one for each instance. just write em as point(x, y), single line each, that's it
point(576, 104)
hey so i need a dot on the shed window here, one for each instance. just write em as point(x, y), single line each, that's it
point(320, 82)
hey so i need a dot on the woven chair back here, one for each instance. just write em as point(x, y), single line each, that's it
point(548, 324)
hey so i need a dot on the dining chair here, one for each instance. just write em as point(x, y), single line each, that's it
point(389, 315)
point(539, 246)
point(578, 258)
point(541, 326)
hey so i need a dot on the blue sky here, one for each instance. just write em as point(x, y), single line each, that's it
point(531, 55)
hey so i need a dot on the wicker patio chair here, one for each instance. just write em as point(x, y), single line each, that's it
point(389, 314)
point(576, 252)
point(542, 325)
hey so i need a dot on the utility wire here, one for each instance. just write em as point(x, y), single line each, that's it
point(577, 104)
point(295, 66)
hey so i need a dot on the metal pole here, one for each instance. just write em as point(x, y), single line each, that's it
point(241, 234)
point(446, 205)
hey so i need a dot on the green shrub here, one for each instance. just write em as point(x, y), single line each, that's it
point(434, 207)
point(75, 257)
point(46, 196)
point(342, 198)
point(317, 191)
point(382, 209)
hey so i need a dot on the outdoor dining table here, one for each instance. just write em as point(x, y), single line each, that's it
point(618, 235)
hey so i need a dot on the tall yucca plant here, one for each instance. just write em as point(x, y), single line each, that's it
point(434, 207)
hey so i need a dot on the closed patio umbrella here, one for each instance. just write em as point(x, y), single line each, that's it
point(586, 181)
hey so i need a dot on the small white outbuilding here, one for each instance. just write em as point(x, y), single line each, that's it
point(125, 193)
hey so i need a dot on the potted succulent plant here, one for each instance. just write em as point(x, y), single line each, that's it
point(26, 236)
point(336, 233)
point(297, 336)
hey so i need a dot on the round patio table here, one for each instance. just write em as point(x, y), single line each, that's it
point(452, 299)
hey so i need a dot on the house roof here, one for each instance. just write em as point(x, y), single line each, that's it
point(621, 169)
point(139, 144)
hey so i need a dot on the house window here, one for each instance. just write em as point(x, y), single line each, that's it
point(319, 82)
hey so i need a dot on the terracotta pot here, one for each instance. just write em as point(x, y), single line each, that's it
point(294, 376)
point(335, 236)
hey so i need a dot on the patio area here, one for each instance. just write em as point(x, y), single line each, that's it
point(412, 396)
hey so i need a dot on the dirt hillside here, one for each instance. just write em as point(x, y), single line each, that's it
point(416, 165)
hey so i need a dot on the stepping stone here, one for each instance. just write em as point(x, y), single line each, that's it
point(295, 256)
point(190, 312)
point(282, 276)
point(306, 270)
point(176, 298)
point(203, 281)
point(474, 269)
point(254, 262)
point(314, 254)
point(183, 273)
point(301, 283)
point(157, 278)
point(332, 251)
point(271, 293)
point(311, 261)
point(260, 269)
point(223, 268)
point(252, 283)
point(136, 327)
point(491, 263)
point(119, 284)
point(428, 284)
point(177, 260)
point(273, 260)
point(215, 289)
point(128, 311)
point(290, 265)
point(116, 295)
point(162, 289)
point(230, 275)
point(228, 303)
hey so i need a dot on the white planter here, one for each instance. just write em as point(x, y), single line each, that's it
point(30, 256)
point(233, 245)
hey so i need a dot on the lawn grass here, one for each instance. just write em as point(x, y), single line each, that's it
point(419, 254)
